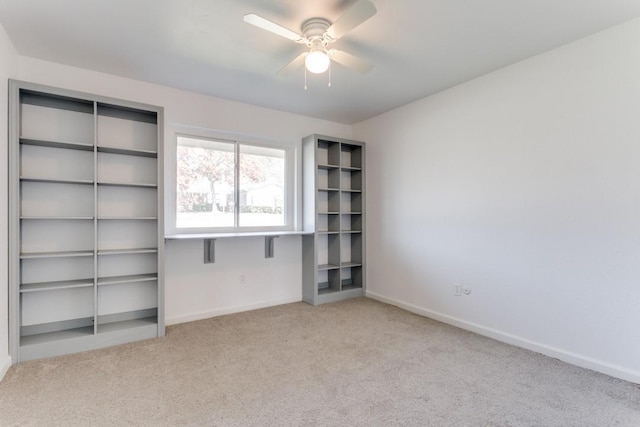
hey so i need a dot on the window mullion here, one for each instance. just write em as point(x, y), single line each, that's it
point(236, 186)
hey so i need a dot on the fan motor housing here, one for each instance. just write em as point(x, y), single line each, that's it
point(315, 28)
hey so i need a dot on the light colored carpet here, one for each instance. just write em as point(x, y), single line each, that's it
point(354, 363)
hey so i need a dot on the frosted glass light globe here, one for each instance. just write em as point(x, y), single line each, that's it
point(317, 62)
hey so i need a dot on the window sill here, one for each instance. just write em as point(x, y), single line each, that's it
point(237, 234)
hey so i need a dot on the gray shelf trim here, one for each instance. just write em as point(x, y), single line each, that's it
point(328, 189)
point(128, 218)
point(56, 180)
point(127, 325)
point(49, 337)
point(340, 296)
point(47, 218)
point(349, 190)
point(325, 291)
point(127, 184)
point(127, 151)
point(65, 254)
point(81, 339)
point(328, 167)
point(349, 264)
point(127, 251)
point(49, 328)
point(350, 168)
point(53, 286)
point(145, 316)
point(109, 109)
point(328, 267)
point(37, 96)
point(134, 278)
point(83, 146)
point(351, 231)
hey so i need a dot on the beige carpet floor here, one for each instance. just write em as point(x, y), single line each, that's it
point(354, 363)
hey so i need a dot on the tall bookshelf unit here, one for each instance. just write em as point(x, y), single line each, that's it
point(334, 217)
point(85, 221)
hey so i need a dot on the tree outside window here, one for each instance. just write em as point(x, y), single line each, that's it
point(209, 187)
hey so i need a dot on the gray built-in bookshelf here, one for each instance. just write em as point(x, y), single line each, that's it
point(85, 221)
point(334, 210)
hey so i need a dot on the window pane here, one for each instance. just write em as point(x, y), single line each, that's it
point(205, 183)
point(262, 186)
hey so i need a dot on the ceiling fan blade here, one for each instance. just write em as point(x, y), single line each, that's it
point(294, 65)
point(354, 16)
point(272, 27)
point(350, 61)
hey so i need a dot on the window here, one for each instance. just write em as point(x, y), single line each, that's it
point(262, 184)
point(233, 185)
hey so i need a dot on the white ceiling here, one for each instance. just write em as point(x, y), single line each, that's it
point(419, 47)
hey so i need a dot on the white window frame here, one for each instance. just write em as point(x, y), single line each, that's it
point(293, 182)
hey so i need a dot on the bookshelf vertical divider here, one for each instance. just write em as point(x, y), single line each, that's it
point(86, 240)
point(333, 218)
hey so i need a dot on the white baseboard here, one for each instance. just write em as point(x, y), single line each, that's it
point(5, 364)
point(229, 310)
point(565, 356)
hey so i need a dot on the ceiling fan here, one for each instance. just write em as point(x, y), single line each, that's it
point(317, 35)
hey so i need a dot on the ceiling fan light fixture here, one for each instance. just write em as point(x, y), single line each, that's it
point(317, 61)
point(317, 34)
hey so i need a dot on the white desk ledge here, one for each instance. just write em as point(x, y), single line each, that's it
point(210, 240)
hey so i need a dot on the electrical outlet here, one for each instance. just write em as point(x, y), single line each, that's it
point(457, 290)
point(242, 279)
point(466, 290)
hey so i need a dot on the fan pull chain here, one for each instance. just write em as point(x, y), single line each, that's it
point(305, 78)
point(329, 85)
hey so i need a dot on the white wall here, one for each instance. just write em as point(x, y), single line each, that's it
point(193, 289)
point(8, 64)
point(524, 185)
